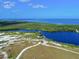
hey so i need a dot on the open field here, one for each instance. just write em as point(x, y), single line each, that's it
point(75, 49)
point(39, 52)
point(13, 42)
point(37, 26)
point(42, 52)
point(63, 45)
point(14, 49)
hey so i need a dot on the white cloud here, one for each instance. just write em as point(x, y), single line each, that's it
point(24, 0)
point(37, 5)
point(8, 4)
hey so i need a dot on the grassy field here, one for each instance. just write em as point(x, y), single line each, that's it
point(24, 34)
point(38, 26)
point(75, 49)
point(42, 52)
point(14, 49)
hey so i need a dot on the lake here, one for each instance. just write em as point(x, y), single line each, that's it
point(63, 36)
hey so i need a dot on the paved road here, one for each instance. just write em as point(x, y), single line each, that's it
point(25, 49)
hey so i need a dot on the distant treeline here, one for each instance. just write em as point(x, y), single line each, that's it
point(7, 25)
point(4, 23)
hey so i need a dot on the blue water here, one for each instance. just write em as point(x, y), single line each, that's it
point(64, 37)
point(55, 21)
point(52, 21)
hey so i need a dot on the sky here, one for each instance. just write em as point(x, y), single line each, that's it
point(28, 9)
